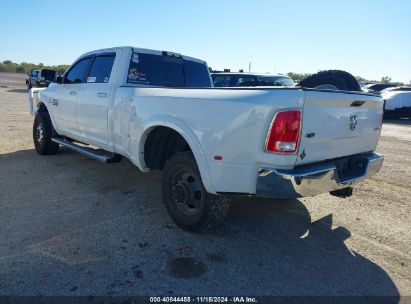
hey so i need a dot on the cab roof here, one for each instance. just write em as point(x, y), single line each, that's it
point(146, 51)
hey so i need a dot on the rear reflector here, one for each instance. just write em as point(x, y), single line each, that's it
point(284, 132)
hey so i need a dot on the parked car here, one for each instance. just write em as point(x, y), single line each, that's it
point(159, 110)
point(397, 102)
point(250, 80)
point(40, 78)
point(377, 87)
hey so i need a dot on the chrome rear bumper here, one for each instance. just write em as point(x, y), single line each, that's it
point(315, 179)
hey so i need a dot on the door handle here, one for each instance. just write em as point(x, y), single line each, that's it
point(101, 94)
point(73, 93)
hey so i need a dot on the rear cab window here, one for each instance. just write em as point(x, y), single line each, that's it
point(167, 70)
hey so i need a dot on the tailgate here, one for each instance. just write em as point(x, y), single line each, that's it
point(337, 124)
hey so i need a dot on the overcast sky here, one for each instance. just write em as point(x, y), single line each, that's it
point(367, 38)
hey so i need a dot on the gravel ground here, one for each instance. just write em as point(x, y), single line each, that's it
point(73, 226)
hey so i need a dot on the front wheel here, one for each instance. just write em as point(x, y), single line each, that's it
point(42, 134)
point(190, 206)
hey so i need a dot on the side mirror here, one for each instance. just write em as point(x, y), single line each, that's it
point(59, 79)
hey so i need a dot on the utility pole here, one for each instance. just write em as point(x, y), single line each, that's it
point(249, 67)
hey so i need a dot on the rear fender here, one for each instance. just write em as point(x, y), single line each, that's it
point(188, 134)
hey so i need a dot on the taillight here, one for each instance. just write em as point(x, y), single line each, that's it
point(284, 132)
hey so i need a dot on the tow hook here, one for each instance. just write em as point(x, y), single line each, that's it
point(343, 193)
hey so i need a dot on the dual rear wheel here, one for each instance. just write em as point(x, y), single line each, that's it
point(188, 203)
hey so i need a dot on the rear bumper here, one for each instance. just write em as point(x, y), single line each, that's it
point(315, 179)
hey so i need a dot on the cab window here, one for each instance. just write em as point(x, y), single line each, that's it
point(77, 72)
point(167, 71)
point(101, 69)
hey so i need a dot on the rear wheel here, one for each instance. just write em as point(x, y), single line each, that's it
point(190, 206)
point(42, 134)
point(331, 80)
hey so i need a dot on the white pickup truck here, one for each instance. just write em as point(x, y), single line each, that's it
point(160, 110)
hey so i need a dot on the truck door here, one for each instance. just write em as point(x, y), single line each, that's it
point(94, 101)
point(66, 96)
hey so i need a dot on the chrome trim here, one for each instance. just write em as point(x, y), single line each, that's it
point(315, 179)
point(40, 133)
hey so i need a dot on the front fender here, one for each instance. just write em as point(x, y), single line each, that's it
point(191, 138)
point(35, 100)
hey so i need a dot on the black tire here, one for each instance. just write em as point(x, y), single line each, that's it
point(43, 131)
point(190, 206)
point(340, 80)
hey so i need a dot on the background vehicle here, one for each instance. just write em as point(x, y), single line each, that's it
point(323, 80)
point(397, 102)
point(250, 80)
point(159, 110)
point(377, 87)
point(40, 78)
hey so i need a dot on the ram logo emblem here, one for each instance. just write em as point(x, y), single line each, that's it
point(353, 121)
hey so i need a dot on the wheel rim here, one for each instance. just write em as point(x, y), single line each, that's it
point(40, 133)
point(326, 86)
point(186, 193)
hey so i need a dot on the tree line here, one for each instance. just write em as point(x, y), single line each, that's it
point(26, 67)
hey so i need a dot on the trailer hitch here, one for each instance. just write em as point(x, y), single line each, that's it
point(343, 193)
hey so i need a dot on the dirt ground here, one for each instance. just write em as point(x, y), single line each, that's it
point(73, 226)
